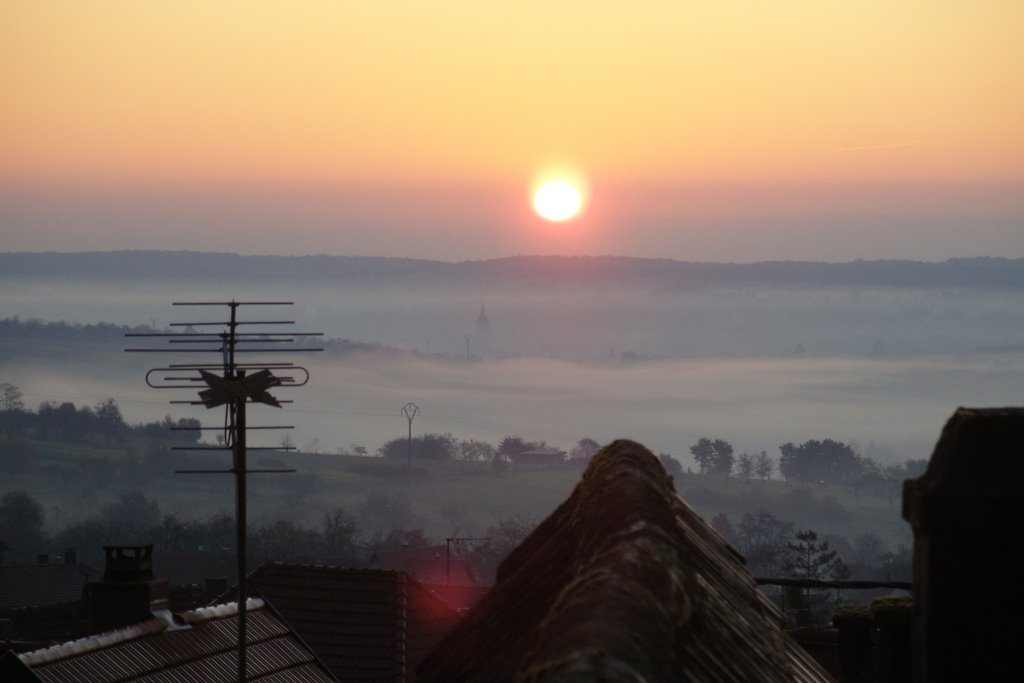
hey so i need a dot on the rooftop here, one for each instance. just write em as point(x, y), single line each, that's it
point(364, 624)
point(199, 645)
point(623, 581)
point(36, 585)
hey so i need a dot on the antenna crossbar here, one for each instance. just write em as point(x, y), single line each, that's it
point(234, 472)
point(203, 429)
point(233, 303)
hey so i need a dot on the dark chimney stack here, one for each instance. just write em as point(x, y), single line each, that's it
point(128, 592)
point(43, 559)
point(70, 556)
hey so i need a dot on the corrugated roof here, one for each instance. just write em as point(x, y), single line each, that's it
point(37, 585)
point(623, 581)
point(364, 624)
point(199, 646)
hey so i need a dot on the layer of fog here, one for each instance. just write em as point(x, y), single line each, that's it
point(896, 406)
point(575, 322)
point(757, 366)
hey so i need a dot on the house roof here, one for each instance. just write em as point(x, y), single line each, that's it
point(364, 624)
point(195, 646)
point(624, 581)
point(36, 585)
point(542, 452)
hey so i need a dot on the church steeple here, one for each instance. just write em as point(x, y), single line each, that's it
point(483, 334)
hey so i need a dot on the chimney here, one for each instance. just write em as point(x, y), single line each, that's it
point(70, 556)
point(967, 510)
point(128, 593)
point(43, 559)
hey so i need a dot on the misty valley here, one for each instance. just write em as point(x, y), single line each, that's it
point(555, 354)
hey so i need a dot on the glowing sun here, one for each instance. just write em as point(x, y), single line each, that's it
point(557, 200)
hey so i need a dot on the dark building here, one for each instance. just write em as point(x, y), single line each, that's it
point(364, 624)
point(540, 457)
point(43, 603)
point(967, 510)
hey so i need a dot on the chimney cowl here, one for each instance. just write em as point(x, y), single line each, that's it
point(128, 563)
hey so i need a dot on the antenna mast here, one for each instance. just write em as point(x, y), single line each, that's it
point(234, 385)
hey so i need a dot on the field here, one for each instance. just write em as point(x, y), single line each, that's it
point(75, 482)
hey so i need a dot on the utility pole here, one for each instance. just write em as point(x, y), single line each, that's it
point(410, 410)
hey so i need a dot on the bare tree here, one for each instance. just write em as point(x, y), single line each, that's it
point(10, 397)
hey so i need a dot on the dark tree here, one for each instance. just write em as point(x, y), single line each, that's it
point(473, 450)
point(763, 465)
point(723, 460)
point(828, 461)
point(745, 465)
point(914, 468)
point(109, 420)
point(88, 537)
point(673, 466)
point(10, 397)
point(584, 449)
point(763, 539)
point(897, 566)
point(427, 447)
point(172, 533)
point(513, 445)
point(713, 456)
point(867, 550)
point(21, 523)
point(809, 559)
point(340, 531)
point(813, 561)
point(133, 517)
point(703, 454)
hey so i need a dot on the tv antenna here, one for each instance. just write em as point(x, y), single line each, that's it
point(456, 540)
point(234, 385)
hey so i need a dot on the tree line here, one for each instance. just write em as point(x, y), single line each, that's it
point(101, 424)
point(381, 522)
point(814, 461)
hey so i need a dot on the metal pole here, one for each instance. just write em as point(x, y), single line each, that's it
point(410, 410)
point(240, 521)
point(240, 493)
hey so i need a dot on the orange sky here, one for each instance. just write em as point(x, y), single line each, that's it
point(641, 98)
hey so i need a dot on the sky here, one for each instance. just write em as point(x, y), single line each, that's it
point(733, 131)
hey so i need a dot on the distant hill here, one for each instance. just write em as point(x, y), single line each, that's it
point(113, 266)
